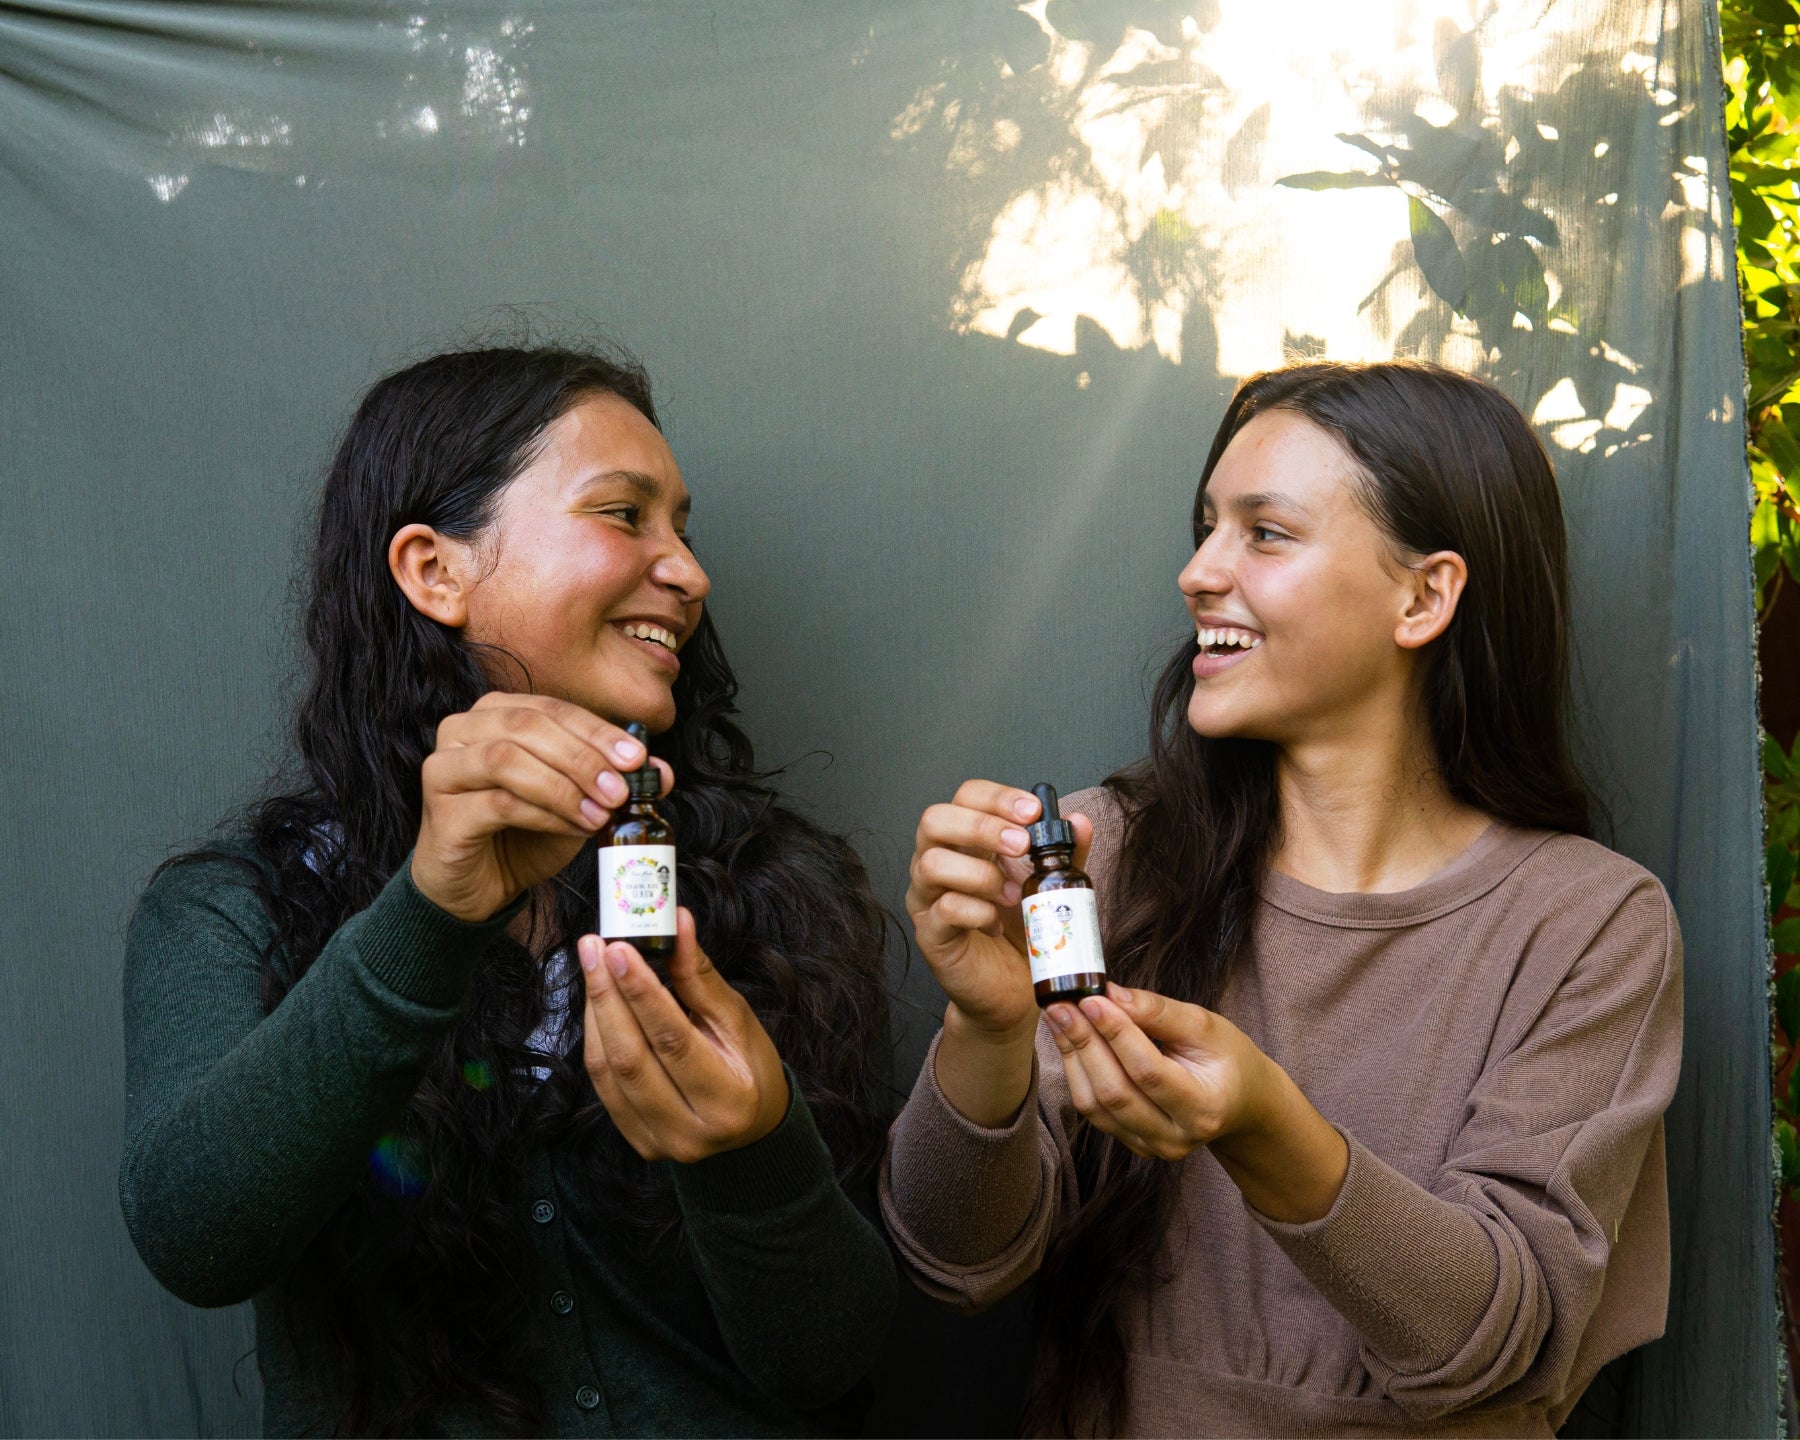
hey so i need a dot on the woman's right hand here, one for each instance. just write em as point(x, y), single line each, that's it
point(513, 790)
point(968, 867)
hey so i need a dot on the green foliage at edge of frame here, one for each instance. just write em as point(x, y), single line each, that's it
point(1762, 132)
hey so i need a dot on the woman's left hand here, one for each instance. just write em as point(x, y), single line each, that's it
point(1163, 1100)
point(681, 1084)
point(1165, 1078)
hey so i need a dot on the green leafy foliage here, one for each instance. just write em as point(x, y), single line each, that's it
point(1468, 172)
point(1781, 839)
point(1483, 189)
point(1779, 866)
point(1781, 860)
point(1434, 248)
point(1762, 131)
point(1787, 1002)
point(1789, 1147)
point(1333, 180)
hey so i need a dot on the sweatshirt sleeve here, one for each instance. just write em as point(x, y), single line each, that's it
point(243, 1131)
point(971, 1210)
point(1479, 1287)
point(801, 1284)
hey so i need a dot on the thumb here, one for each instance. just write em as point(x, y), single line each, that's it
point(693, 977)
point(1156, 1016)
point(592, 952)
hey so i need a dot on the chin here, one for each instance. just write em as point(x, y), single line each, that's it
point(655, 712)
point(1217, 722)
point(654, 718)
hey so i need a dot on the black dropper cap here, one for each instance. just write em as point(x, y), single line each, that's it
point(1051, 829)
point(645, 784)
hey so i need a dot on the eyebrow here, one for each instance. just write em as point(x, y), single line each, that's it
point(1262, 500)
point(646, 485)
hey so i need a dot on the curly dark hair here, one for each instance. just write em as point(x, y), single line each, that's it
point(1443, 462)
point(415, 1281)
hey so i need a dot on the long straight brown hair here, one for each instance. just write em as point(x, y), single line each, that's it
point(1444, 462)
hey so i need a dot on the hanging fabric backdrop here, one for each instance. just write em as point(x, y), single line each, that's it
point(943, 299)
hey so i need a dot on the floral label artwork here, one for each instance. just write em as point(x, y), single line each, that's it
point(637, 891)
point(640, 886)
point(1050, 928)
point(1062, 932)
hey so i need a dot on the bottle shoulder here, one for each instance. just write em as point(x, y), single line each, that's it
point(638, 830)
point(1064, 879)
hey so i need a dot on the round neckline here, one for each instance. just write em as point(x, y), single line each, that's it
point(1482, 864)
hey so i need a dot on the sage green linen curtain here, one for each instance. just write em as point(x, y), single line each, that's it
point(942, 299)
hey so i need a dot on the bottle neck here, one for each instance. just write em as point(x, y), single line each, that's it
point(1053, 857)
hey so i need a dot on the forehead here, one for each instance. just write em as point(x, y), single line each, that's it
point(601, 434)
point(1281, 453)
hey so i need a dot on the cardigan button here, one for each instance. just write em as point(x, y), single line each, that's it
point(543, 1212)
point(587, 1397)
point(562, 1302)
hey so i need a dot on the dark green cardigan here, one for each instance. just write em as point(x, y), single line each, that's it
point(244, 1132)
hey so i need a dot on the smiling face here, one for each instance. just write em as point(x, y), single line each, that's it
point(1306, 618)
point(584, 574)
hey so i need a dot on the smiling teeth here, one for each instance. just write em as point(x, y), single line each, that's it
point(651, 632)
point(1241, 639)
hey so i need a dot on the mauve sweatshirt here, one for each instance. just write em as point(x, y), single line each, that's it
point(1497, 1045)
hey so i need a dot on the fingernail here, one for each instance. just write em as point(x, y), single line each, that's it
point(1059, 1016)
point(1118, 993)
point(629, 752)
point(1096, 1013)
point(592, 813)
point(1025, 807)
point(618, 960)
point(611, 787)
point(1015, 840)
point(1010, 892)
point(589, 950)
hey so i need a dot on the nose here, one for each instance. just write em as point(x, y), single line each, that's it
point(1206, 573)
point(678, 570)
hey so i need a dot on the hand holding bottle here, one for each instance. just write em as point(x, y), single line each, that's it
point(1165, 1078)
point(967, 871)
point(685, 1070)
point(514, 788)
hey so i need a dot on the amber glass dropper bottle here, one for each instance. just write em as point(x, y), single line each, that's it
point(637, 866)
point(1062, 920)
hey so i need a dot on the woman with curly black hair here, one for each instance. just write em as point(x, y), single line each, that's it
point(478, 1170)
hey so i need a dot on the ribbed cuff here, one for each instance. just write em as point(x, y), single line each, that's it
point(944, 1114)
point(420, 952)
point(966, 1190)
point(785, 1165)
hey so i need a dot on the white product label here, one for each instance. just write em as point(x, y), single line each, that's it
point(637, 891)
point(1062, 932)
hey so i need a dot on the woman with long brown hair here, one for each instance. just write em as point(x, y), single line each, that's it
point(1366, 1135)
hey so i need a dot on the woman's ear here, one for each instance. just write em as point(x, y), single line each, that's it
point(430, 570)
point(1436, 587)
